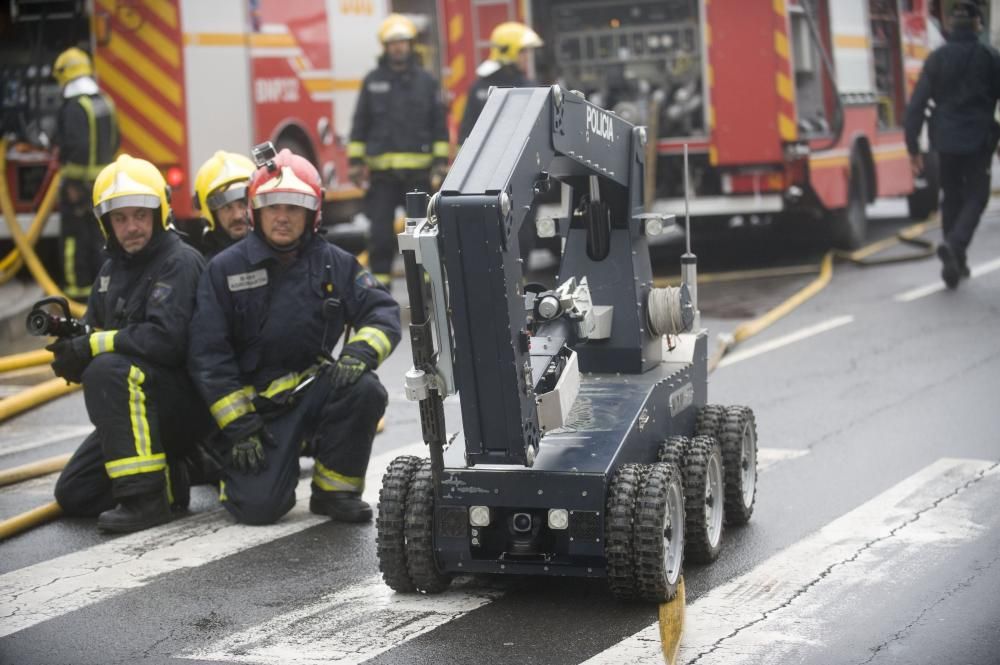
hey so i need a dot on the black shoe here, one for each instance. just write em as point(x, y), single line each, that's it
point(341, 506)
point(136, 513)
point(963, 270)
point(950, 272)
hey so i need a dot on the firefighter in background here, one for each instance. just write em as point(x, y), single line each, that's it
point(145, 409)
point(270, 312)
point(510, 45)
point(399, 133)
point(963, 80)
point(220, 193)
point(87, 138)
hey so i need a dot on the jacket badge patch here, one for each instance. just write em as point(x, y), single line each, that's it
point(247, 280)
point(160, 292)
point(104, 283)
point(366, 280)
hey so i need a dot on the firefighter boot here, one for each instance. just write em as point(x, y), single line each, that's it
point(135, 513)
point(340, 506)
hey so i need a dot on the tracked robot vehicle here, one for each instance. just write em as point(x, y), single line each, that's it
point(589, 447)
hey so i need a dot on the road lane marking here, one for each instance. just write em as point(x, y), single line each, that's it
point(732, 622)
point(61, 433)
point(922, 291)
point(785, 340)
point(52, 588)
point(346, 627)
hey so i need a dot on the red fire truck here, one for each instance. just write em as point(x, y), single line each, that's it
point(791, 109)
point(190, 77)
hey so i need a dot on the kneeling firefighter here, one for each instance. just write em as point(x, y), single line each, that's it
point(133, 369)
point(270, 312)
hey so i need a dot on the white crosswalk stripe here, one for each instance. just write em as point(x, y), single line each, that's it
point(756, 613)
point(52, 588)
point(346, 627)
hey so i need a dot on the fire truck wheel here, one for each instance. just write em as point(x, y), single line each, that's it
point(674, 451)
point(389, 536)
point(703, 499)
point(926, 200)
point(739, 455)
point(850, 224)
point(658, 533)
point(419, 533)
point(619, 512)
point(710, 419)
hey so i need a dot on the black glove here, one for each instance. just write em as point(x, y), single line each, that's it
point(72, 356)
point(248, 455)
point(348, 368)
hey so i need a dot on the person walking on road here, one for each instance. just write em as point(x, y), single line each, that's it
point(962, 78)
point(510, 45)
point(271, 309)
point(87, 139)
point(220, 194)
point(399, 134)
point(145, 410)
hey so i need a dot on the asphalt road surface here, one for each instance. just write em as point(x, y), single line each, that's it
point(875, 538)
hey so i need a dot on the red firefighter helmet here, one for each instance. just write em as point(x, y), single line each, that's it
point(287, 179)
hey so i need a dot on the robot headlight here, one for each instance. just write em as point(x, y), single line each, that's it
point(479, 516)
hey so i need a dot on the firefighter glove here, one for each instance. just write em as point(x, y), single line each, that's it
point(438, 172)
point(248, 455)
point(348, 368)
point(72, 355)
point(356, 173)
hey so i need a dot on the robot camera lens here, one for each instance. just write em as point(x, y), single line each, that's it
point(522, 522)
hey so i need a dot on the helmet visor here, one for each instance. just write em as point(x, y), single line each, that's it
point(226, 196)
point(126, 201)
point(301, 199)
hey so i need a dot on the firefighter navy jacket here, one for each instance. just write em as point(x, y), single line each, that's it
point(258, 329)
point(399, 121)
point(143, 302)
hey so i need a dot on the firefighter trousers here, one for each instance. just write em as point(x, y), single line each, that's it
point(81, 242)
point(337, 427)
point(387, 191)
point(965, 185)
point(144, 416)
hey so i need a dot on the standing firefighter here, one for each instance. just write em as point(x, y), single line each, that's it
point(270, 311)
point(963, 80)
point(220, 193)
point(87, 138)
point(399, 132)
point(510, 45)
point(138, 395)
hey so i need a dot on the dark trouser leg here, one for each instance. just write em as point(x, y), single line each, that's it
point(344, 434)
point(264, 497)
point(951, 190)
point(384, 195)
point(81, 240)
point(133, 404)
point(83, 488)
point(974, 170)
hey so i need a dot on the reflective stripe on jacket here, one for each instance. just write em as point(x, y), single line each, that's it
point(259, 329)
